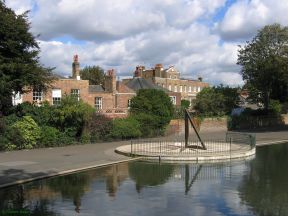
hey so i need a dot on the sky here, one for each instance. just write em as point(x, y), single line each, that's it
point(200, 38)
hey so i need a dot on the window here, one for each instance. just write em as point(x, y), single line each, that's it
point(173, 99)
point(175, 88)
point(199, 88)
point(37, 96)
point(163, 86)
point(180, 88)
point(76, 93)
point(98, 103)
point(129, 103)
point(195, 89)
point(170, 88)
point(190, 88)
point(185, 88)
point(56, 96)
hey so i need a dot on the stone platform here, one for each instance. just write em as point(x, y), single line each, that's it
point(176, 151)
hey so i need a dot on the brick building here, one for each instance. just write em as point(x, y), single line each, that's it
point(170, 79)
point(112, 98)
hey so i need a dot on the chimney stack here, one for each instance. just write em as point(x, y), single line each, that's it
point(76, 68)
point(110, 81)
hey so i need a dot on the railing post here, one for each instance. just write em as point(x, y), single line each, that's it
point(131, 148)
point(230, 146)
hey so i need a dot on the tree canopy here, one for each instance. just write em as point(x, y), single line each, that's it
point(216, 101)
point(94, 74)
point(153, 109)
point(20, 70)
point(264, 62)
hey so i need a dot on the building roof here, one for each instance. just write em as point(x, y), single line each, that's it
point(96, 88)
point(122, 88)
point(140, 83)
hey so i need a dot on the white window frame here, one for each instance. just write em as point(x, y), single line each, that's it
point(56, 96)
point(181, 88)
point(129, 103)
point(76, 93)
point(190, 88)
point(175, 88)
point(173, 99)
point(169, 87)
point(98, 103)
point(37, 96)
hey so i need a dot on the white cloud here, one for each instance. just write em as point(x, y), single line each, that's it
point(123, 34)
point(20, 6)
point(114, 19)
point(245, 17)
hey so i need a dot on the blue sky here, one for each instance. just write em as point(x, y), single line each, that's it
point(198, 37)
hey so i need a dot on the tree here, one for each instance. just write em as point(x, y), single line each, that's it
point(94, 74)
point(20, 70)
point(209, 102)
point(264, 62)
point(185, 104)
point(231, 96)
point(71, 116)
point(153, 109)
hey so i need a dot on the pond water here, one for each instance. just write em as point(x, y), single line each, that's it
point(257, 186)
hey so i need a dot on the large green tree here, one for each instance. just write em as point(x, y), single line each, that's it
point(20, 70)
point(264, 62)
point(153, 109)
point(94, 74)
point(216, 101)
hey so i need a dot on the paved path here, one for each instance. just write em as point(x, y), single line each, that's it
point(25, 165)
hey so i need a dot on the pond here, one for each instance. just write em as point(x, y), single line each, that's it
point(258, 186)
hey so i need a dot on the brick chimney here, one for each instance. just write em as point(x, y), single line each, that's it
point(139, 70)
point(110, 81)
point(158, 70)
point(76, 68)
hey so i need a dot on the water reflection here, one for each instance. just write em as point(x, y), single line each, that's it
point(265, 187)
point(150, 174)
point(253, 187)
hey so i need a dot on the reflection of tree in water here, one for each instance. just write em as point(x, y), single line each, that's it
point(265, 188)
point(150, 174)
point(15, 199)
point(71, 187)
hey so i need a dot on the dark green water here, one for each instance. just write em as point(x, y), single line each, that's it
point(257, 186)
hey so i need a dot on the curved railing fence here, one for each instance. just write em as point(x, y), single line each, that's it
point(231, 143)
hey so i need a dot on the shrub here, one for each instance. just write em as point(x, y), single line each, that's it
point(185, 104)
point(125, 128)
point(153, 109)
point(98, 127)
point(49, 137)
point(28, 130)
point(41, 115)
point(71, 115)
point(149, 125)
point(275, 106)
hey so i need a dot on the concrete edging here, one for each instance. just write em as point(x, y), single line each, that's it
point(190, 158)
point(65, 172)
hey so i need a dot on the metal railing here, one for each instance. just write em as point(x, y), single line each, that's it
point(155, 148)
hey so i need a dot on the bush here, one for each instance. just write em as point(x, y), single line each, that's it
point(125, 128)
point(49, 137)
point(98, 127)
point(41, 115)
point(149, 125)
point(71, 115)
point(185, 104)
point(28, 130)
point(275, 107)
point(153, 109)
